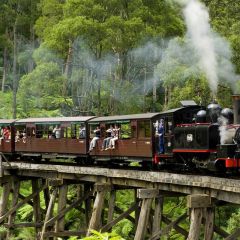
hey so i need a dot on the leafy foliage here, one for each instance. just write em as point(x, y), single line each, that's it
point(48, 78)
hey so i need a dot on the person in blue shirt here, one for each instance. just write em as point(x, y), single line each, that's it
point(161, 136)
point(109, 136)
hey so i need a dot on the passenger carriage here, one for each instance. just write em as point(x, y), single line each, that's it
point(36, 137)
point(136, 137)
point(7, 144)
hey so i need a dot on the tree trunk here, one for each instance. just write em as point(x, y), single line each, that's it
point(67, 68)
point(30, 61)
point(99, 55)
point(4, 68)
point(14, 106)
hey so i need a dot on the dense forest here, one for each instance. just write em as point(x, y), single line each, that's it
point(106, 57)
point(75, 57)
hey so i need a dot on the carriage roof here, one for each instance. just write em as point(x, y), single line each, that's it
point(55, 119)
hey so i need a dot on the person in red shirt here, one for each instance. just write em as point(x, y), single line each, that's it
point(6, 133)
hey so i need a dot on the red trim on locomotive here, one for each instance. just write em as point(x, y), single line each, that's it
point(194, 150)
point(230, 162)
point(157, 157)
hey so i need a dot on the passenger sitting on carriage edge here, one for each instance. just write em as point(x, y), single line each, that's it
point(94, 140)
point(106, 140)
point(115, 134)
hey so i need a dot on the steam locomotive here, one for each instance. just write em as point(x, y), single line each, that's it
point(189, 137)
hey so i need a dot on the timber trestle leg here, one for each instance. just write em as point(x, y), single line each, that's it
point(201, 211)
point(147, 196)
point(95, 221)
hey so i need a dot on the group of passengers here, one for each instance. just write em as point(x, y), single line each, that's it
point(21, 135)
point(57, 132)
point(112, 134)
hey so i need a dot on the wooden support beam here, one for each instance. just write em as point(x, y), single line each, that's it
point(4, 157)
point(137, 211)
point(157, 218)
point(4, 198)
point(46, 193)
point(51, 221)
point(175, 226)
point(120, 211)
point(101, 190)
point(36, 204)
point(62, 201)
point(209, 223)
point(3, 217)
point(197, 203)
point(147, 195)
point(87, 203)
point(54, 182)
point(220, 231)
point(111, 205)
point(119, 218)
point(16, 187)
point(234, 235)
point(20, 196)
point(23, 225)
point(49, 212)
point(168, 228)
point(64, 234)
point(195, 225)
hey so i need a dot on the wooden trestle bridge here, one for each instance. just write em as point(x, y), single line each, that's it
point(203, 194)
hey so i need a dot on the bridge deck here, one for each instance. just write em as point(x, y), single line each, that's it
point(225, 189)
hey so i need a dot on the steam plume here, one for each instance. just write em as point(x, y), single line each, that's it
point(199, 31)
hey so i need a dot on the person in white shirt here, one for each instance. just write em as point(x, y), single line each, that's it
point(115, 135)
point(57, 132)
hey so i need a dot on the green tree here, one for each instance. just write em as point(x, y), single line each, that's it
point(114, 27)
point(41, 91)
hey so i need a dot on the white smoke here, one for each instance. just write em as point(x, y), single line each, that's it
point(226, 132)
point(201, 35)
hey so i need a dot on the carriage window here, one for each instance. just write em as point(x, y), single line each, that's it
point(20, 128)
point(144, 129)
point(125, 131)
point(67, 133)
point(74, 128)
point(42, 131)
point(30, 131)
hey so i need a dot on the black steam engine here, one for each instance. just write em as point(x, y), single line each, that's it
point(211, 141)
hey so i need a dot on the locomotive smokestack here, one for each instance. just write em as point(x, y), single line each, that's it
point(236, 108)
